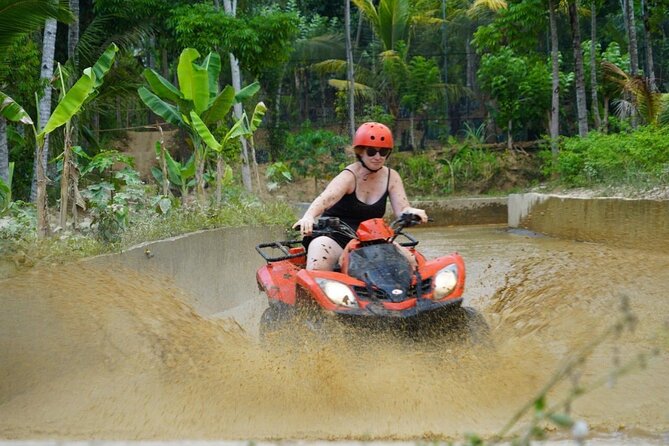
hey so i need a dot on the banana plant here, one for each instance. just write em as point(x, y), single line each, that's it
point(71, 102)
point(179, 174)
point(237, 130)
point(198, 93)
point(6, 191)
point(250, 128)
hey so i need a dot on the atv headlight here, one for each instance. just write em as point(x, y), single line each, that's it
point(338, 293)
point(445, 281)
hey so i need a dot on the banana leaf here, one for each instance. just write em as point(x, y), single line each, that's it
point(70, 104)
point(202, 130)
point(238, 129)
point(193, 79)
point(179, 173)
point(212, 63)
point(161, 86)
point(103, 64)
point(6, 190)
point(166, 111)
point(13, 111)
point(258, 114)
point(247, 92)
point(220, 107)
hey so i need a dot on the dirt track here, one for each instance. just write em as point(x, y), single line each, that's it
point(91, 354)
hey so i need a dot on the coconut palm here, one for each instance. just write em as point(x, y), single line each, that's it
point(651, 106)
point(581, 102)
point(18, 18)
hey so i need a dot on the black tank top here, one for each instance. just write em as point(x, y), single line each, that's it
point(353, 211)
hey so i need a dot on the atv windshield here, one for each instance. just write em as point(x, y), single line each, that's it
point(383, 268)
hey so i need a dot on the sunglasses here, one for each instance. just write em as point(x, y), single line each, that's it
point(372, 152)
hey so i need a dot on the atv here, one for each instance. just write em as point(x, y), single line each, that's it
point(375, 285)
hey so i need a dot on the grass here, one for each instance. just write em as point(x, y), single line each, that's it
point(20, 245)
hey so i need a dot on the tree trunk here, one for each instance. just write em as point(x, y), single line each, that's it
point(358, 31)
point(631, 32)
point(256, 170)
point(65, 176)
point(554, 126)
point(593, 66)
point(43, 229)
point(73, 35)
point(4, 151)
point(42, 153)
point(650, 65)
point(230, 7)
point(509, 135)
point(219, 179)
point(349, 70)
point(581, 102)
point(163, 163)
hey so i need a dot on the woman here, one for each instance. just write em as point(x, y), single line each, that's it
point(358, 193)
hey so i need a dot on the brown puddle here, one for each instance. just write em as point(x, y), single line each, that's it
point(91, 354)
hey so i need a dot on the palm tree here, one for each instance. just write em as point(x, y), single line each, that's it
point(651, 106)
point(650, 68)
point(630, 24)
point(18, 18)
point(554, 125)
point(593, 64)
point(48, 50)
point(581, 103)
point(349, 70)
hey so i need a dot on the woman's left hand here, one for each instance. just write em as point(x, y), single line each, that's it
point(420, 212)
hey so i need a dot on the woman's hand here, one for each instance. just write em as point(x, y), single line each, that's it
point(419, 212)
point(306, 225)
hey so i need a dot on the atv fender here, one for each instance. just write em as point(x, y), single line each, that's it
point(277, 280)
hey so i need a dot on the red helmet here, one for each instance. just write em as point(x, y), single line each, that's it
point(373, 134)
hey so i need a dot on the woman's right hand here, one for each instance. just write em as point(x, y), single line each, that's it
point(306, 225)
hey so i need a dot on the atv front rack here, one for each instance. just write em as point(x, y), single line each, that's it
point(287, 247)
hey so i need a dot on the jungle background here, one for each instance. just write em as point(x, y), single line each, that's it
point(484, 97)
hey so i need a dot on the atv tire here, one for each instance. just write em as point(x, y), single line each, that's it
point(274, 323)
point(473, 327)
point(461, 325)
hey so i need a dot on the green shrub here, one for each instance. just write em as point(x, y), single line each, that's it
point(315, 153)
point(623, 158)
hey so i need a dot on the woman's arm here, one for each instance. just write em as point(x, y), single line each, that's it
point(398, 198)
point(339, 186)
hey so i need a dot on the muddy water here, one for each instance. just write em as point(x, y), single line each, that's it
point(87, 353)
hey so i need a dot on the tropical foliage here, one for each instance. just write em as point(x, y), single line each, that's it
point(462, 79)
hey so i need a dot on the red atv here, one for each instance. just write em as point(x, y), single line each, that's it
point(374, 286)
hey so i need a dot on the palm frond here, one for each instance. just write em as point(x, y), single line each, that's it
point(326, 46)
point(623, 108)
point(361, 90)
point(389, 55)
point(96, 38)
point(663, 115)
point(329, 66)
point(644, 100)
point(368, 9)
point(481, 7)
point(18, 18)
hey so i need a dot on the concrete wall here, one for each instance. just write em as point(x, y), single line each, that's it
point(616, 221)
point(217, 266)
point(454, 211)
point(465, 211)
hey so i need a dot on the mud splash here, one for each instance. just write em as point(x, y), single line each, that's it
point(92, 354)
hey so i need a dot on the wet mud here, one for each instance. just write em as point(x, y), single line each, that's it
point(89, 353)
